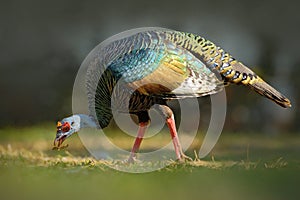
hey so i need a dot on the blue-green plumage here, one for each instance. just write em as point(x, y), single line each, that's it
point(157, 65)
point(136, 64)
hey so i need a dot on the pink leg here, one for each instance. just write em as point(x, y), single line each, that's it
point(138, 140)
point(169, 116)
point(177, 146)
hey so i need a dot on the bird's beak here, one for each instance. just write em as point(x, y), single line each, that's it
point(61, 135)
point(59, 140)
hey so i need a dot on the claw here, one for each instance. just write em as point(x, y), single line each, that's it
point(131, 160)
point(184, 158)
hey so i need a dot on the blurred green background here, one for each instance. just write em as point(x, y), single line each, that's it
point(42, 45)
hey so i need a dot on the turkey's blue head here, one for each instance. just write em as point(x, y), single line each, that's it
point(65, 128)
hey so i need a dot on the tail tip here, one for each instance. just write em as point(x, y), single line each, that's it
point(283, 102)
point(287, 103)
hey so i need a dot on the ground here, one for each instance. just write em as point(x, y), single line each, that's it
point(241, 166)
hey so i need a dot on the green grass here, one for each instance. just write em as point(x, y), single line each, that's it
point(241, 166)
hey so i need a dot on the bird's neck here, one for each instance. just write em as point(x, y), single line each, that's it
point(87, 121)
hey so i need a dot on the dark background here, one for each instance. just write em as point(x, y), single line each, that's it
point(43, 43)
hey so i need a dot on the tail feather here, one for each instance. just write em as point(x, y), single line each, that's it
point(238, 73)
point(264, 89)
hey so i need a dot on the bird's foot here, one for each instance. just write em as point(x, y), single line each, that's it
point(184, 158)
point(132, 159)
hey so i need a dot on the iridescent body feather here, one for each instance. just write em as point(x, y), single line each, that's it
point(160, 65)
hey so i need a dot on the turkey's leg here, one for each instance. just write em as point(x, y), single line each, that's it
point(170, 121)
point(144, 120)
